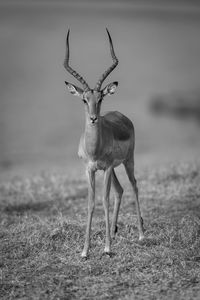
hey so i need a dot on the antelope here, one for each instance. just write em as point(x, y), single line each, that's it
point(107, 142)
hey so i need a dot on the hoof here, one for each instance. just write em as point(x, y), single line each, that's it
point(141, 237)
point(84, 256)
point(107, 251)
point(109, 254)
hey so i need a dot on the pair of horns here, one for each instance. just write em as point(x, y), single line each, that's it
point(79, 77)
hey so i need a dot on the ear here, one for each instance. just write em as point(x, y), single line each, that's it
point(76, 91)
point(110, 88)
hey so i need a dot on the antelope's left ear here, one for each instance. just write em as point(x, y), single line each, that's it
point(110, 88)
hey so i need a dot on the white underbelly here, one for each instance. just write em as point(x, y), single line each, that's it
point(103, 165)
point(112, 157)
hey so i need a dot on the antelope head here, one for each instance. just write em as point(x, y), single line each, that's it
point(92, 98)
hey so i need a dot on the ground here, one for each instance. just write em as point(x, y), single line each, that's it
point(42, 231)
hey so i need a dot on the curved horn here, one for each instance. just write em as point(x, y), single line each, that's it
point(69, 69)
point(109, 70)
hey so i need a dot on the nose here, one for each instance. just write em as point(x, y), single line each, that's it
point(93, 118)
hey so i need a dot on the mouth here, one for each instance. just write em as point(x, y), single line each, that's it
point(93, 123)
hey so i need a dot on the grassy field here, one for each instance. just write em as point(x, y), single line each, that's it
point(42, 234)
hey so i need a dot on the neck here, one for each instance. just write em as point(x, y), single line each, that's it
point(92, 138)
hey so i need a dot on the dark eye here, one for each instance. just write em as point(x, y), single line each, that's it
point(84, 101)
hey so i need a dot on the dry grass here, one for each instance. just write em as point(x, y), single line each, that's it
point(42, 235)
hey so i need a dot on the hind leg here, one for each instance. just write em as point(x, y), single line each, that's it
point(118, 190)
point(129, 166)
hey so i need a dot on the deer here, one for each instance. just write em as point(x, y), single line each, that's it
point(107, 141)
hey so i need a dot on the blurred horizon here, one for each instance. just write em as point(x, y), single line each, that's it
point(158, 46)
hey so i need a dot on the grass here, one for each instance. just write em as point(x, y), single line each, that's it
point(42, 229)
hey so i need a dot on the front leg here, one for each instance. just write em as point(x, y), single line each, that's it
point(106, 192)
point(118, 190)
point(91, 204)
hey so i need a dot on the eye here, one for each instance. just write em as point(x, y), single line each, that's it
point(84, 101)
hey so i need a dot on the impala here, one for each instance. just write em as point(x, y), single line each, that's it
point(107, 142)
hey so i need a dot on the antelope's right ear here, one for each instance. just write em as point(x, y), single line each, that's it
point(74, 90)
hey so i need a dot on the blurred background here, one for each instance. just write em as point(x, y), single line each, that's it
point(158, 46)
